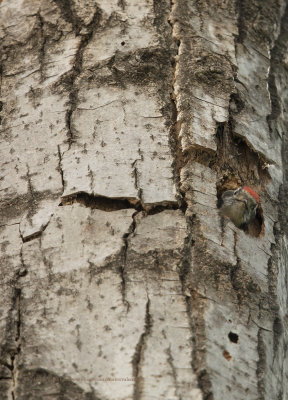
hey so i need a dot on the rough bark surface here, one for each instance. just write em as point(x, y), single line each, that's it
point(121, 124)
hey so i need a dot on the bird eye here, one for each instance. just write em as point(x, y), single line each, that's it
point(237, 190)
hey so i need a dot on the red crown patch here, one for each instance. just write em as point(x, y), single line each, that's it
point(253, 194)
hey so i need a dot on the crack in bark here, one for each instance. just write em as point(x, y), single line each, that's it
point(272, 88)
point(260, 327)
point(241, 21)
point(37, 234)
point(1, 79)
point(136, 181)
point(97, 108)
point(235, 279)
point(197, 328)
point(222, 223)
point(77, 67)
point(117, 203)
point(23, 270)
point(261, 366)
point(235, 271)
point(179, 160)
point(16, 223)
point(60, 167)
point(29, 182)
point(209, 102)
point(235, 245)
point(152, 209)
point(196, 322)
point(139, 354)
point(42, 47)
point(123, 278)
point(17, 340)
point(100, 202)
point(174, 371)
point(1, 102)
point(124, 261)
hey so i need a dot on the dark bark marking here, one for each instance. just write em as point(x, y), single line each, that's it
point(195, 312)
point(17, 340)
point(60, 167)
point(174, 371)
point(43, 39)
point(261, 365)
point(139, 354)
point(122, 268)
point(72, 76)
point(1, 103)
point(241, 21)
point(136, 181)
point(100, 202)
point(233, 337)
point(117, 203)
point(66, 7)
point(179, 159)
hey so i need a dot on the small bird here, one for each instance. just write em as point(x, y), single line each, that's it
point(239, 205)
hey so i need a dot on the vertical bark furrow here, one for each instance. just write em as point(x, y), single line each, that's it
point(139, 354)
point(274, 380)
point(77, 66)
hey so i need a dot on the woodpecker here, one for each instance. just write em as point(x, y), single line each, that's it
point(239, 205)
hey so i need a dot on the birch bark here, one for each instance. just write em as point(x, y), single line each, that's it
point(121, 124)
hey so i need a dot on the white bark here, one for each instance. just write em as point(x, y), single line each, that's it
point(122, 122)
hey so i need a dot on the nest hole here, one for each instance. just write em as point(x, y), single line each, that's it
point(256, 227)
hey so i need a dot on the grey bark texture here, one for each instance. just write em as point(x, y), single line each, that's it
point(122, 122)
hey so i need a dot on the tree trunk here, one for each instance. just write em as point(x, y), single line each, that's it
point(122, 122)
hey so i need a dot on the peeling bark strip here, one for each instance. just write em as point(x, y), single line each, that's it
point(121, 124)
